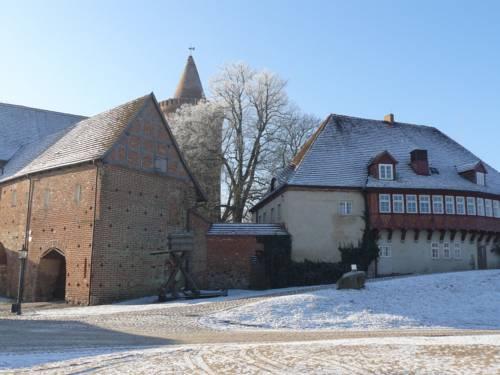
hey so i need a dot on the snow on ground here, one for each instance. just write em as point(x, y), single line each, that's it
point(452, 355)
point(466, 300)
point(149, 303)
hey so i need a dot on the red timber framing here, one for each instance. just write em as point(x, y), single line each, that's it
point(478, 227)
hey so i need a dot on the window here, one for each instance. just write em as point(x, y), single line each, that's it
point(457, 251)
point(411, 204)
point(279, 212)
point(425, 204)
point(78, 194)
point(480, 178)
point(446, 250)
point(398, 203)
point(460, 205)
point(13, 201)
point(46, 198)
point(496, 208)
point(264, 219)
point(386, 171)
point(345, 207)
point(259, 219)
point(384, 203)
point(488, 207)
point(272, 215)
point(385, 251)
point(437, 204)
point(480, 206)
point(161, 165)
point(434, 250)
point(471, 206)
point(449, 205)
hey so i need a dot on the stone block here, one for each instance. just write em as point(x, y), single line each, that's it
point(352, 280)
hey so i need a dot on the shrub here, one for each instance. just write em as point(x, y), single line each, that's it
point(314, 273)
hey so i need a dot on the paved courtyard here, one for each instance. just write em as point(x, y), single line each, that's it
point(170, 338)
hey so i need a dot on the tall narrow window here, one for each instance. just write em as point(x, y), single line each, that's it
point(345, 208)
point(457, 252)
point(264, 218)
point(471, 206)
point(411, 204)
point(398, 204)
point(386, 171)
point(488, 207)
point(46, 198)
point(384, 203)
point(78, 194)
point(446, 250)
point(437, 204)
point(480, 206)
point(279, 211)
point(425, 204)
point(272, 215)
point(496, 208)
point(13, 201)
point(259, 219)
point(434, 250)
point(460, 205)
point(450, 205)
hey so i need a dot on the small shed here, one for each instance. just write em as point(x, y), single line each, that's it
point(247, 256)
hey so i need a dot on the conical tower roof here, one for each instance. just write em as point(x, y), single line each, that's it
point(189, 86)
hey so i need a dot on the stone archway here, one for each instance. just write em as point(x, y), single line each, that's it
point(51, 282)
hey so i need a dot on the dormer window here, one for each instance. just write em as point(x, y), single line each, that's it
point(474, 172)
point(386, 171)
point(383, 166)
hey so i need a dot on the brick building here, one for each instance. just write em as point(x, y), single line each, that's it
point(91, 199)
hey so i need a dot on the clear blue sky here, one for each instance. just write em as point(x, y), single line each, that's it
point(428, 62)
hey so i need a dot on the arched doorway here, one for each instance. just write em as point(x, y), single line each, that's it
point(52, 276)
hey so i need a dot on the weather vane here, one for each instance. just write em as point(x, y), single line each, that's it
point(191, 49)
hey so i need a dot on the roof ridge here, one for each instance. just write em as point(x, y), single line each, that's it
point(380, 121)
point(42, 110)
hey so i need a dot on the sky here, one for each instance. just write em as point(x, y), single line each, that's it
point(428, 62)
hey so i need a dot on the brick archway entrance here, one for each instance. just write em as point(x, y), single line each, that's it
point(51, 283)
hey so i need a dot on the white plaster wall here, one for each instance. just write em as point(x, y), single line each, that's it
point(315, 224)
point(410, 256)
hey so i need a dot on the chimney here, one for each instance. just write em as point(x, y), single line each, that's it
point(389, 118)
point(420, 162)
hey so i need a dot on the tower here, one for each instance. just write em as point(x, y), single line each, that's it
point(189, 89)
point(203, 162)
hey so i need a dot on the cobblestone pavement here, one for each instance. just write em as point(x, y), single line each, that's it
point(383, 356)
point(168, 326)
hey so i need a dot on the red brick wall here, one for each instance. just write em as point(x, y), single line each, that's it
point(137, 211)
point(57, 221)
point(228, 260)
point(199, 225)
point(12, 228)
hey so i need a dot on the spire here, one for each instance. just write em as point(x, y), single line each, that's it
point(189, 86)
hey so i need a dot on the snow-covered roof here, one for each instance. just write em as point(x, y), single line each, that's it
point(21, 125)
point(84, 140)
point(247, 230)
point(342, 148)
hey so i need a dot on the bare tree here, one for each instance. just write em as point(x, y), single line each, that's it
point(260, 133)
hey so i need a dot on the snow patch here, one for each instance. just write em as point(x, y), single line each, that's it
point(466, 300)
